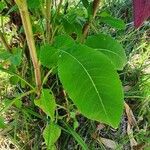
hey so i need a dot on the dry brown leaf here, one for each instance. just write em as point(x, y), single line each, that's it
point(140, 147)
point(130, 116)
point(133, 142)
point(109, 143)
point(100, 127)
point(127, 88)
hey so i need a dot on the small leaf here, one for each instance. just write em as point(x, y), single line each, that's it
point(92, 83)
point(75, 124)
point(48, 56)
point(105, 14)
point(14, 80)
point(2, 124)
point(18, 103)
point(51, 134)
point(47, 103)
point(110, 47)
point(2, 5)
point(16, 57)
point(22, 84)
point(4, 55)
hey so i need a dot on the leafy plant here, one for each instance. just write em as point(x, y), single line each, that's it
point(84, 67)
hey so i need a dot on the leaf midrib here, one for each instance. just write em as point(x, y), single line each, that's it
point(107, 50)
point(91, 81)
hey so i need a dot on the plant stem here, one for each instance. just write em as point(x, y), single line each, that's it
point(48, 18)
point(3, 40)
point(18, 76)
point(46, 76)
point(85, 31)
point(14, 100)
point(87, 25)
point(95, 7)
point(22, 4)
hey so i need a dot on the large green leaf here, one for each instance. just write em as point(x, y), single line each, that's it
point(47, 103)
point(51, 134)
point(110, 47)
point(92, 83)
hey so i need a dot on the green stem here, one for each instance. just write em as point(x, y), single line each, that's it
point(15, 99)
point(22, 4)
point(18, 76)
point(48, 18)
point(140, 97)
point(46, 76)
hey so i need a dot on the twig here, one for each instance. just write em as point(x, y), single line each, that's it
point(22, 4)
point(95, 7)
point(87, 25)
point(46, 76)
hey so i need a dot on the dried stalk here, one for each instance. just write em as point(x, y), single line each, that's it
point(22, 5)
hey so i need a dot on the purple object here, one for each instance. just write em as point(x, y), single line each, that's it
point(141, 11)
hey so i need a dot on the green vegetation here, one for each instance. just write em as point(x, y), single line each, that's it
point(73, 75)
